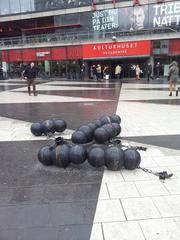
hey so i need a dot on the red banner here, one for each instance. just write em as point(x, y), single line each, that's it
point(114, 3)
point(4, 56)
point(174, 47)
point(136, 3)
point(160, 1)
point(58, 53)
point(74, 52)
point(29, 55)
point(93, 6)
point(15, 56)
point(117, 49)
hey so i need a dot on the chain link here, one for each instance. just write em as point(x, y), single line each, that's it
point(149, 171)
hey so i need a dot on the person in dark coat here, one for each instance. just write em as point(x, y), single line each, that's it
point(83, 68)
point(30, 74)
point(149, 72)
point(94, 71)
point(158, 68)
point(1, 73)
point(107, 72)
point(173, 77)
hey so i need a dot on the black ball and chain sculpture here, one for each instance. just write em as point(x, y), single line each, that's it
point(48, 127)
point(101, 130)
point(97, 142)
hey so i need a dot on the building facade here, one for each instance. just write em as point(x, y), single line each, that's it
point(61, 35)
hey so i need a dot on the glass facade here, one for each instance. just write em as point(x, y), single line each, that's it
point(8, 7)
point(27, 5)
point(4, 7)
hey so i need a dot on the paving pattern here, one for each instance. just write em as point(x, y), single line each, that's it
point(80, 202)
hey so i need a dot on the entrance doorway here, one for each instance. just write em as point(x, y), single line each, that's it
point(127, 65)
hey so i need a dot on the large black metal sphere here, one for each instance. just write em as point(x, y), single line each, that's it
point(77, 154)
point(101, 135)
point(132, 158)
point(79, 137)
point(60, 125)
point(46, 155)
point(117, 128)
point(96, 157)
point(93, 126)
point(87, 131)
point(114, 158)
point(48, 126)
point(105, 120)
point(97, 123)
point(61, 156)
point(115, 119)
point(110, 129)
point(37, 129)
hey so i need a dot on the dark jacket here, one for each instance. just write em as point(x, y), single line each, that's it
point(173, 72)
point(83, 68)
point(94, 70)
point(107, 70)
point(30, 73)
point(149, 69)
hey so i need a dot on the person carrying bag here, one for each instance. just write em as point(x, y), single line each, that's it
point(173, 77)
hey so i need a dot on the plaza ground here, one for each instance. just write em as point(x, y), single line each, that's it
point(80, 202)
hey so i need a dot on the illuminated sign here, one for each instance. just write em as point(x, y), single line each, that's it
point(42, 54)
point(118, 49)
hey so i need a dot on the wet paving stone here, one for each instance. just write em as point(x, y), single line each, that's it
point(71, 192)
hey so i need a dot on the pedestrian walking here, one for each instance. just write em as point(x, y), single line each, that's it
point(138, 72)
point(99, 72)
point(94, 72)
point(149, 72)
point(158, 68)
point(30, 74)
point(118, 70)
point(173, 77)
point(106, 72)
point(82, 71)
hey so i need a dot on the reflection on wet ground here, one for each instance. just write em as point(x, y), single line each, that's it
point(75, 113)
point(110, 94)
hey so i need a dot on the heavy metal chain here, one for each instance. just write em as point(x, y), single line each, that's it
point(162, 175)
point(149, 171)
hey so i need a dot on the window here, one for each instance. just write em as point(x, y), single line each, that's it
point(25, 5)
point(4, 7)
point(15, 6)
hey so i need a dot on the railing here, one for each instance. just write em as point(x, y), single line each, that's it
point(79, 37)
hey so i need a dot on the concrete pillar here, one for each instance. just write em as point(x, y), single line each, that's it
point(47, 66)
point(5, 68)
